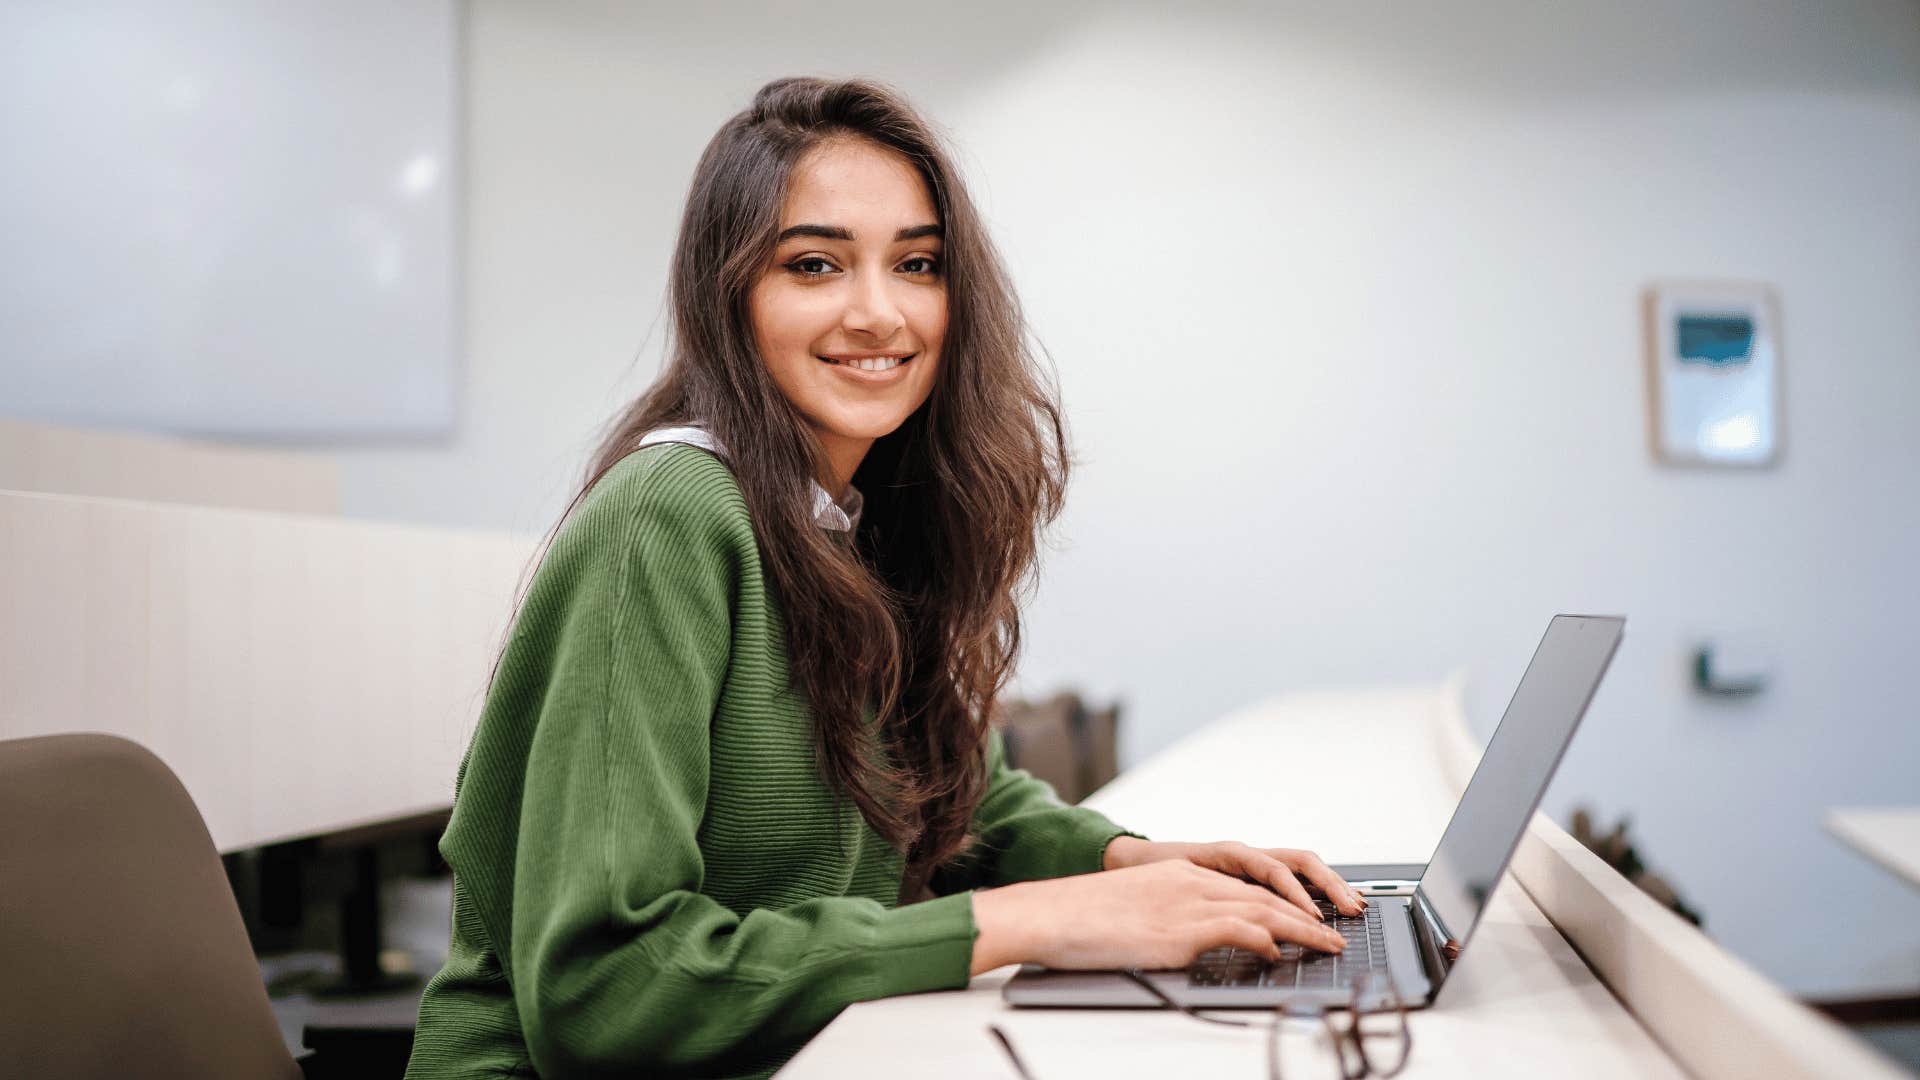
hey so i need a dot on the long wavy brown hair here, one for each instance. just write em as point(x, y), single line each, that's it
point(916, 616)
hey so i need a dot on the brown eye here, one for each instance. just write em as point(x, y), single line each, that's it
point(810, 266)
point(927, 265)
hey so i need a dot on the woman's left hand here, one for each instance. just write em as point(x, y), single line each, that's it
point(1272, 867)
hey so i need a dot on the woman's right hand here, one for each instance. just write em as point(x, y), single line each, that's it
point(1158, 915)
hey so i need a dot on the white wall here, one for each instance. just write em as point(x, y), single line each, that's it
point(1344, 305)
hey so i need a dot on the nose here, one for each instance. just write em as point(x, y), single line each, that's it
point(871, 308)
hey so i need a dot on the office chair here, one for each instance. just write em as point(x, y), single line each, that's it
point(1061, 741)
point(124, 952)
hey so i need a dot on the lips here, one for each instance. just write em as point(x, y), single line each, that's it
point(868, 363)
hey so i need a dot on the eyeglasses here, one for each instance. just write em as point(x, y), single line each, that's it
point(1370, 1038)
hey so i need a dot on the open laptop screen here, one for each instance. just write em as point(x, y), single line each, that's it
point(1513, 773)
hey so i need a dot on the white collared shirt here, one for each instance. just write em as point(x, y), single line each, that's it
point(839, 516)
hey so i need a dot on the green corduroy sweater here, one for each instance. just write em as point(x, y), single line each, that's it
point(650, 876)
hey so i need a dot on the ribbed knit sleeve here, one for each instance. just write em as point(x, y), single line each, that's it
point(1025, 832)
point(577, 829)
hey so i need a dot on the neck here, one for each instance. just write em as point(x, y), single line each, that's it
point(843, 458)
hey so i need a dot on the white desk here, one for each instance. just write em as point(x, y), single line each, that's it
point(1889, 836)
point(1521, 1004)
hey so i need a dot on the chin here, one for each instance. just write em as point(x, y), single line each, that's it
point(865, 424)
point(870, 421)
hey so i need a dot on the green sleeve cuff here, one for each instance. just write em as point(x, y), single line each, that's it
point(1115, 833)
point(924, 946)
point(1078, 845)
point(1107, 836)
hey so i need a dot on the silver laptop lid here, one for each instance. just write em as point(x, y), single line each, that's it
point(1513, 774)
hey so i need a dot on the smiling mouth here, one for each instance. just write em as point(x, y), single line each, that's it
point(874, 363)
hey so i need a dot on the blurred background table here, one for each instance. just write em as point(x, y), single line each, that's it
point(1889, 835)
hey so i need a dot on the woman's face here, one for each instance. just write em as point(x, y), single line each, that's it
point(850, 313)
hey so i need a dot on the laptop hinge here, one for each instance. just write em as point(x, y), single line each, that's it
point(1438, 950)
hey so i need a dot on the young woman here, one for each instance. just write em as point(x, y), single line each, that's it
point(742, 717)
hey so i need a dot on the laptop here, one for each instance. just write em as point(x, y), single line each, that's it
point(1419, 917)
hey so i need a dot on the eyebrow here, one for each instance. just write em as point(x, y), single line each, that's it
point(835, 232)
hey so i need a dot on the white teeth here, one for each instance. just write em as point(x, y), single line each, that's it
point(871, 363)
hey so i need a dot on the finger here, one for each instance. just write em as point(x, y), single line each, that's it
point(1219, 888)
point(1222, 886)
point(1322, 875)
point(1217, 884)
point(1286, 925)
point(1262, 868)
point(1256, 894)
point(1279, 876)
point(1239, 933)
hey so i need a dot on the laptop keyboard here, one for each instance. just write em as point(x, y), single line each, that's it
point(1366, 951)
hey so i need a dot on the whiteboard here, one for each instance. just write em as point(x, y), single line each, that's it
point(230, 219)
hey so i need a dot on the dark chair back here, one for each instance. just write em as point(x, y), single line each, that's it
point(1061, 741)
point(122, 951)
point(1100, 748)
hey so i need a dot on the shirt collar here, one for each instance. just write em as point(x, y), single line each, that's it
point(839, 516)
